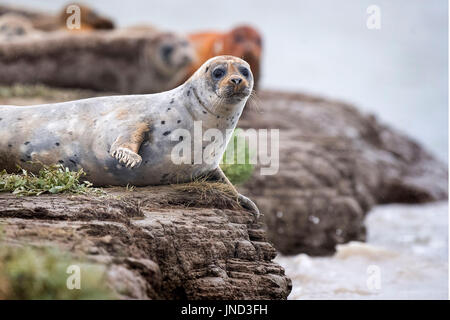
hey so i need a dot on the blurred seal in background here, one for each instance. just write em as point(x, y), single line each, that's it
point(14, 26)
point(90, 19)
point(243, 41)
point(122, 61)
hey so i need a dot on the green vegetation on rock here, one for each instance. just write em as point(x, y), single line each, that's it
point(50, 179)
point(44, 273)
point(236, 172)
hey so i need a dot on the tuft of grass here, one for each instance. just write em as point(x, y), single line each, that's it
point(237, 173)
point(42, 273)
point(201, 192)
point(50, 179)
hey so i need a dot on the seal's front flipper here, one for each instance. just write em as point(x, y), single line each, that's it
point(245, 202)
point(126, 147)
point(127, 157)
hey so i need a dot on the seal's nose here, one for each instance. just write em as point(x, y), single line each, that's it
point(236, 80)
point(186, 59)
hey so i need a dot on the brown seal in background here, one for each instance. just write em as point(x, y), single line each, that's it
point(243, 41)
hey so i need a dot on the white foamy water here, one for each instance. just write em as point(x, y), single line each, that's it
point(405, 257)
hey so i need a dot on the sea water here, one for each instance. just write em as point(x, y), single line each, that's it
point(405, 257)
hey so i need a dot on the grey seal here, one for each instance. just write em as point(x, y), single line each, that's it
point(121, 140)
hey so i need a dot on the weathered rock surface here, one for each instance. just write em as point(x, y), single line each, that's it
point(335, 163)
point(157, 243)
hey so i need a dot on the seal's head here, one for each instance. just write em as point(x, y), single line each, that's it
point(171, 53)
point(226, 81)
point(13, 26)
point(244, 42)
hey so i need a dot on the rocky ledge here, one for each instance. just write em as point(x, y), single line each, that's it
point(167, 242)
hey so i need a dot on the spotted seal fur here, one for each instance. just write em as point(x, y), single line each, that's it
point(121, 140)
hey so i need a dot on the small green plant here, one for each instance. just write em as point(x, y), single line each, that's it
point(50, 179)
point(42, 273)
point(237, 173)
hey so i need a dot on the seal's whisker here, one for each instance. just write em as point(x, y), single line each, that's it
point(217, 103)
point(254, 102)
point(220, 102)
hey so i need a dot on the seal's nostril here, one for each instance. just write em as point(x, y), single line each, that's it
point(185, 60)
point(236, 81)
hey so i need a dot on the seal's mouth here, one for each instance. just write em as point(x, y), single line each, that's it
point(232, 95)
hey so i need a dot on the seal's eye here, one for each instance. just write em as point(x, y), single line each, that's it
point(218, 73)
point(166, 51)
point(244, 71)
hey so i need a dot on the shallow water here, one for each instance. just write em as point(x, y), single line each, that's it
point(405, 257)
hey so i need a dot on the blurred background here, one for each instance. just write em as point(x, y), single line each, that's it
point(399, 72)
